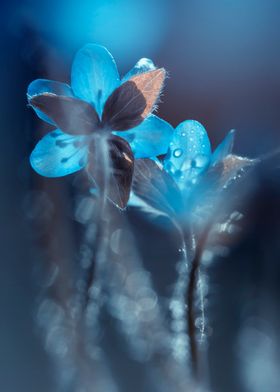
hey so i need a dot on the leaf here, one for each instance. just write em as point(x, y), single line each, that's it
point(133, 101)
point(71, 115)
point(111, 164)
point(156, 187)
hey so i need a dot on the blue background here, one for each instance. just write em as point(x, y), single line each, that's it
point(223, 60)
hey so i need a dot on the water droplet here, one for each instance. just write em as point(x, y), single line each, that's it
point(183, 134)
point(178, 152)
point(182, 250)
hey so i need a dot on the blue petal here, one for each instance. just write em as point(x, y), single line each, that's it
point(41, 86)
point(142, 65)
point(94, 75)
point(149, 139)
point(189, 152)
point(58, 154)
point(224, 148)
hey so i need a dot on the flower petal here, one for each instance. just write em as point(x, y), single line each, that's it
point(71, 115)
point(224, 148)
point(94, 75)
point(142, 65)
point(156, 187)
point(58, 154)
point(149, 139)
point(133, 101)
point(220, 183)
point(189, 152)
point(42, 86)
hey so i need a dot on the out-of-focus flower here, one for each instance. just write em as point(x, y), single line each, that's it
point(100, 118)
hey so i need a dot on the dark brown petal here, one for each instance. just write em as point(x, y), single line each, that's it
point(113, 172)
point(71, 115)
point(133, 101)
point(156, 188)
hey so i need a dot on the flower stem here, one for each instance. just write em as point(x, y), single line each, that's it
point(100, 241)
point(190, 300)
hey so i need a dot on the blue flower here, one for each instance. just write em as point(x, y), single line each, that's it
point(98, 106)
point(190, 177)
point(190, 154)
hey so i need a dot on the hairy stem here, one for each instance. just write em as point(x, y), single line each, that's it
point(190, 299)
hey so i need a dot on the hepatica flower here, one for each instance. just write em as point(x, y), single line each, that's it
point(190, 154)
point(101, 121)
point(189, 173)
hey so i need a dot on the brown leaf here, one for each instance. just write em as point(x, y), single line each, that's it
point(133, 101)
point(71, 115)
point(156, 188)
point(111, 164)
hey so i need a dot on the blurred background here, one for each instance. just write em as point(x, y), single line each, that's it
point(223, 60)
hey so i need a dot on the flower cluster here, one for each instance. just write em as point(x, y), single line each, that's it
point(106, 125)
point(103, 123)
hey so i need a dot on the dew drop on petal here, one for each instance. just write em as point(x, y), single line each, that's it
point(178, 152)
